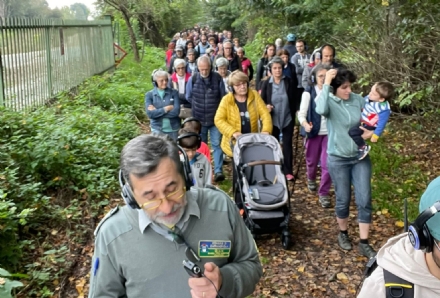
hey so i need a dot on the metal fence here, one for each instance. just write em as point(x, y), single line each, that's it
point(41, 57)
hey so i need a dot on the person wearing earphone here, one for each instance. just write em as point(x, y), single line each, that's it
point(282, 98)
point(200, 165)
point(239, 113)
point(163, 106)
point(268, 54)
point(408, 265)
point(140, 247)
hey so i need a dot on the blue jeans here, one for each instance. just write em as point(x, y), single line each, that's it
point(216, 138)
point(351, 171)
point(172, 134)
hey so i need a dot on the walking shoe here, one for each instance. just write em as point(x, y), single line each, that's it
point(344, 241)
point(218, 177)
point(325, 201)
point(366, 250)
point(289, 177)
point(311, 185)
point(363, 152)
point(226, 159)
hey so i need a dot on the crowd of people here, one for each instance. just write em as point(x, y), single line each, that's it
point(204, 97)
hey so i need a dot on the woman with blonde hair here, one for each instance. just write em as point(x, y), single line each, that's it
point(239, 112)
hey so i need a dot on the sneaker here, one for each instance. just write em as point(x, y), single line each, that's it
point(363, 152)
point(226, 159)
point(289, 177)
point(325, 201)
point(218, 177)
point(366, 250)
point(344, 241)
point(311, 185)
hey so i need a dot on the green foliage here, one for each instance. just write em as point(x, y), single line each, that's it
point(6, 284)
point(58, 167)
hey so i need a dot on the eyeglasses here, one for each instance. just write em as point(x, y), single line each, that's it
point(155, 203)
point(227, 48)
point(179, 68)
point(436, 245)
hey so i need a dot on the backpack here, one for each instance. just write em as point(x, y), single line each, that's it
point(394, 285)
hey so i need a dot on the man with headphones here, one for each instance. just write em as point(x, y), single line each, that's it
point(168, 230)
point(409, 264)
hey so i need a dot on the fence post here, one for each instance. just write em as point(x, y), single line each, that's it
point(2, 86)
point(49, 61)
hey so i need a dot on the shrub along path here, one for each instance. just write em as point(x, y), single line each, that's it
point(315, 266)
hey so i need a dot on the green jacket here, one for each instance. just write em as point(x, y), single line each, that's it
point(134, 264)
point(341, 116)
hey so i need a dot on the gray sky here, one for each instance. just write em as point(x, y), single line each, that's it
point(61, 3)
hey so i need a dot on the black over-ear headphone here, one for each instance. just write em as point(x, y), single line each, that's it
point(190, 119)
point(188, 135)
point(418, 231)
point(152, 76)
point(127, 192)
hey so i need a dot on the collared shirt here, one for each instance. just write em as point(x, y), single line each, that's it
point(192, 208)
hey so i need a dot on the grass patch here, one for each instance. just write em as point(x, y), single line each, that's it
point(397, 174)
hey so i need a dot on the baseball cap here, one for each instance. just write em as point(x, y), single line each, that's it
point(429, 197)
point(179, 48)
point(291, 37)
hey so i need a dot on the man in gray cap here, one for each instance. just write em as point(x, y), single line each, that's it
point(180, 54)
point(409, 264)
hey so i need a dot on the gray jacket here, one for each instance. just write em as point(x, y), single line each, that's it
point(132, 260)
point(300, 63)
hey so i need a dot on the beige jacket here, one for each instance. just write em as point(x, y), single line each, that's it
point(400, 258)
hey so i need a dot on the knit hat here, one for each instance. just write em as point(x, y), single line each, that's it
point(291, 37)
point(429, 197)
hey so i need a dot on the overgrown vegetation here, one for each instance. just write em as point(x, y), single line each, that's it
point(390, 40)
point(58, 168)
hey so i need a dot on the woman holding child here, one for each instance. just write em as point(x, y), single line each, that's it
point(342, 108)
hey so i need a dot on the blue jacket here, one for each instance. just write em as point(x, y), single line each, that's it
point(205, 98)
point(171, 97)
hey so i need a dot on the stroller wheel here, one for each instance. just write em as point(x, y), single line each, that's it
point(285, 239)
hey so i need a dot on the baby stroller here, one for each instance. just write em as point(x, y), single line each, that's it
point(260, 185)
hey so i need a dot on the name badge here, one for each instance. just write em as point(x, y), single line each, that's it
point(214, 249)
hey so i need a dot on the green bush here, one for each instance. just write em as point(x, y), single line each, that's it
point(6, 284)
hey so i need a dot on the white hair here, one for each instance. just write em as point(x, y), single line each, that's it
point(279, 42)
point(204, 59)
point(221, 61)
point(178, 62)
point(160, 74)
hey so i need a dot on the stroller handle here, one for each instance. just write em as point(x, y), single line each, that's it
point(262, 162)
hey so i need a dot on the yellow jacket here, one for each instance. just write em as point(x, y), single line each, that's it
point(228, 121)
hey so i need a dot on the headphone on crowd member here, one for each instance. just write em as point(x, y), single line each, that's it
point(127, 192)
point(190, 119)
point(152, 76)
point(188, 135)
point(418, 231)
point(330, 46)
point(230, 87)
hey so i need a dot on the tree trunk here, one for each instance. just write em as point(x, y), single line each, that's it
point(134, 47)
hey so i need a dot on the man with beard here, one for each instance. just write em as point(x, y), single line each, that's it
point(139, 248)
point(409, 264)
point(202, 46)
point(204, 91)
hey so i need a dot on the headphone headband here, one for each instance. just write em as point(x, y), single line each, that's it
point(127, 193)
point(190, 119)
point(418, 232)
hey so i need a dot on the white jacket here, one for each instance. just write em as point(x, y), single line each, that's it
point(400, 258)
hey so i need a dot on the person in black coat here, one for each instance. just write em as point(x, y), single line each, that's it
point(269, 52)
